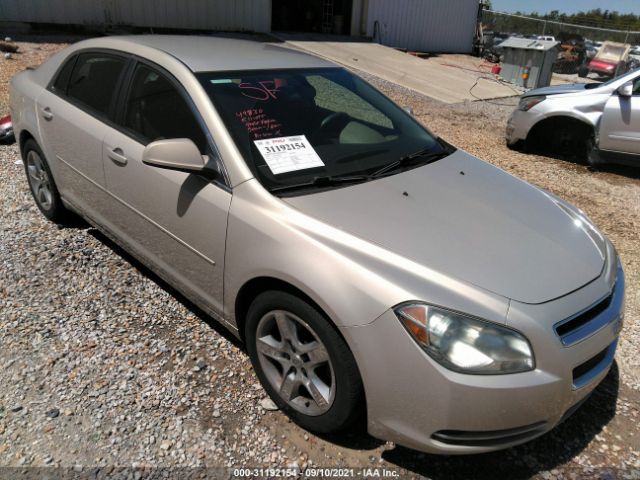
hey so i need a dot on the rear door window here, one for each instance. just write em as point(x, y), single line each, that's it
point(94, 80)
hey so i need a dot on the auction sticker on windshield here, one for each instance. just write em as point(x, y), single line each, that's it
point(288, 154)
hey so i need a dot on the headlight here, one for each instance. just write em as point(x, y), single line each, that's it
point(465, 344)
point(528, 103)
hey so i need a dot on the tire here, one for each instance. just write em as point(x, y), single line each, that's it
point(565, 140)
point(285, 337)
point(583, 71)
point(42, 186)
point(559, 136)
point(518, 146)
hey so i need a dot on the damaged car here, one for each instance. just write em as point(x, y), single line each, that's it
point(579, 119)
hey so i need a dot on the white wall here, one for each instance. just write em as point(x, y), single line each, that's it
point(254, 15)
point(425, 25)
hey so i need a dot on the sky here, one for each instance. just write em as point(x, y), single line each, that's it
point(566, 6)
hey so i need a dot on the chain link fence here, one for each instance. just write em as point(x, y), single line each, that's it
point(578, 42)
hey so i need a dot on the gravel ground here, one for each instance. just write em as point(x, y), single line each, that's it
point(30, 53)
point(105, 367)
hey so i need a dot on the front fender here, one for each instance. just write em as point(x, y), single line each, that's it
point(352, 280)
point(584, 108)
point(588, 118)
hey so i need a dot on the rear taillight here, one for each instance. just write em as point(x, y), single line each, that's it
point(6, 120)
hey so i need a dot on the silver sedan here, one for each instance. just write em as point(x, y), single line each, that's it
point(600, 120)
point(374, 271)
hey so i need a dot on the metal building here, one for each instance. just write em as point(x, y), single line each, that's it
point(229, 15)
point(421, 25)
point(424, 25)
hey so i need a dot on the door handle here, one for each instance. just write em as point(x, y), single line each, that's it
point(117, 155)
point(47, 114)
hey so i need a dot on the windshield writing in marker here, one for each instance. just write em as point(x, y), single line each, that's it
point(262, 90)
point(258, 124)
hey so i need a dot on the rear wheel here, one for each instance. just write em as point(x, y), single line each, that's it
point(43, 188)
point(302, 362)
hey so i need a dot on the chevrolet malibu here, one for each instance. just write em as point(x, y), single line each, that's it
point(375, 272)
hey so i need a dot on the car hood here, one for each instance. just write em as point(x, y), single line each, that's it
point(557, 89)
point(471, 221)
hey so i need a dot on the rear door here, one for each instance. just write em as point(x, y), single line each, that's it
point(176, 221)
point(620, 123)
point(73, 115)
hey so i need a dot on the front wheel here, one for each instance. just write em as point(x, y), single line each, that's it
point(303, 363)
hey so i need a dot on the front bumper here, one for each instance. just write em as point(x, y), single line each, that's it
point(415, 402)
point(519, 125)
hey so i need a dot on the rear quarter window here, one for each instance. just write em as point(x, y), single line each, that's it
point(61, 80)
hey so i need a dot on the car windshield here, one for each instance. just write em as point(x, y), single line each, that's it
point(612, 51)
point(297, 126)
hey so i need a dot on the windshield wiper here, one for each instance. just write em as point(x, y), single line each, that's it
point(324, 181)
point(426, 154)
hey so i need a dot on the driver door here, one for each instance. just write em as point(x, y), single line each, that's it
point(176, 221)
point(620, 123)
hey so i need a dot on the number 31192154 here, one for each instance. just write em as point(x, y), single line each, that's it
point(287, 147)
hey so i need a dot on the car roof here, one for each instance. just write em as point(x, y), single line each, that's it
point(206, 53)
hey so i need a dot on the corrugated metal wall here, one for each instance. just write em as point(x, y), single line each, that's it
point(52, 11)
point(424, 25)
point(254, 15)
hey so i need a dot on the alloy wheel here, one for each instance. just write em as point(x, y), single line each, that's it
point(295, 362)
point(39, 180)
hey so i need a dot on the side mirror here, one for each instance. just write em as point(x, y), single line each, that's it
point(409, 110)
point(626, 90)
point(175, 154)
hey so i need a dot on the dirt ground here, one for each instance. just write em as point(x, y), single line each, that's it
point(102, 365)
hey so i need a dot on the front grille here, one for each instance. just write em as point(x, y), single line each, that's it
point(584, 318)
point(489, 438)
point(587, 371)
point(580, 326)
point(584, 368)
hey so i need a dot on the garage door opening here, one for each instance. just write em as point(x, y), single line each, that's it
point(312, 16)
